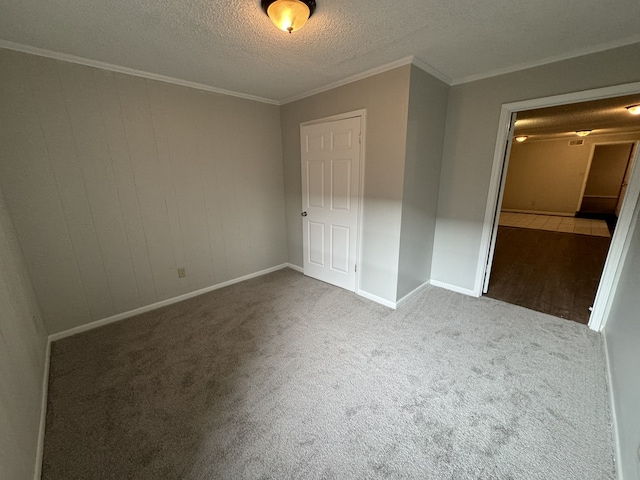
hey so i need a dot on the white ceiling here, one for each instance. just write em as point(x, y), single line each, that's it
point(232, 45)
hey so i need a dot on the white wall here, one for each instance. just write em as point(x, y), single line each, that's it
point(470, 139)
point(114, 182)
point(425, 138)
point(548, 175)
point(385, 96)
point(23, 343)
point(622, 336)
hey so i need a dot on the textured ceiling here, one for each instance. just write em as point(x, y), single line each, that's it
point(604, 116)
point(232, 45)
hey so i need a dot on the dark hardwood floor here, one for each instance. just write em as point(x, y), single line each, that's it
point(551, 272)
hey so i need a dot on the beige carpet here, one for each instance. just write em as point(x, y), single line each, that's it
point(285, 377)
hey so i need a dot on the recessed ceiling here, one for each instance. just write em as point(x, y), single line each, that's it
point(605, 116)
point(232, 45)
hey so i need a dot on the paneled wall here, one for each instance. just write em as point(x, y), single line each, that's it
point(23, 343)
point(114, 182)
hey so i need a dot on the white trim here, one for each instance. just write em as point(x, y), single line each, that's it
point(129, 71)
point(411, 60)
point(455, 288)
point(434, 72)
point(495, 211)
point(353, 78)
point(539, 212)
point(412, 293)
point(295, 267)
point(163, 303)
point(363, 156)
point(615, 257)
point(544, 61)
point(375, 298)
point(574, 97)
point(618, 250)
point(612, 405)
point(362, 114)
point(490, 220)
point(334, 118)
point(37, 473)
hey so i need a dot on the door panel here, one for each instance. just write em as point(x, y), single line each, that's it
point(339, 248)
point(330, 200)
point(341, 185)
point(315, 182)
point(316, 244)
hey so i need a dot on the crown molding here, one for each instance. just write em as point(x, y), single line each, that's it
point(128, 71)
point(353, 78)
point(425, 67)
point(547, 60)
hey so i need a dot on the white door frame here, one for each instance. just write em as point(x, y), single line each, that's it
point(363, 116)
point(615, 257)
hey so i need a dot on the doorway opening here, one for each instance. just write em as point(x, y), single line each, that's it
point(549, 244)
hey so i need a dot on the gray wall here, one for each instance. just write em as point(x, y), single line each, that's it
point(425, 138)
point(472, 127)
point(22, 357)
point(548, 175)
point(622, 335)
point(385, 96)
point(114, 182)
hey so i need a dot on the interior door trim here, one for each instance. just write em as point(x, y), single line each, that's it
point(618, 248)
point(362, 113)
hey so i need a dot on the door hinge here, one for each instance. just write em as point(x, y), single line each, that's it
point(360, 138)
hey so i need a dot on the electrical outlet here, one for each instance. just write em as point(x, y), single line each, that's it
point(182, 272)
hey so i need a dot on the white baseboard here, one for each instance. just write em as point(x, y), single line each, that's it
point(362, 293)
point(538, 212)
point(375, 298)
point(163, 303)
point(412, 293)
point(455, 288)
point(43, 413)
point(614, 420)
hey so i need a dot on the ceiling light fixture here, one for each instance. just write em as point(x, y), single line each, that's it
point(289, 15)
point(521, 138)
point(634, 109)
point(583, 133)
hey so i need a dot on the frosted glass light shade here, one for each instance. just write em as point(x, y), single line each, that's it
point(288, 15)
point(634, 109)
point(583, 133)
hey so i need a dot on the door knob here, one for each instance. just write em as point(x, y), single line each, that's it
point(304, 214)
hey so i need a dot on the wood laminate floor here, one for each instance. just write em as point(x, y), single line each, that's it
point(551, 272)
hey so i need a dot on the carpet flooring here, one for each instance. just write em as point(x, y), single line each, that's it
point(286, 377)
